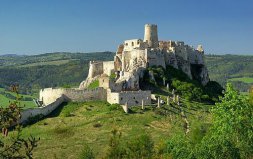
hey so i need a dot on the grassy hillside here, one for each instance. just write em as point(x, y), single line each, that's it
point(65, 133)
point(234, 68)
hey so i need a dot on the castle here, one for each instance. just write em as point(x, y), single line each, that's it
point(119, 79)
point(134, 56)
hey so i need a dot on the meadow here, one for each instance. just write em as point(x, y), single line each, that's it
point(6, 97)
point(68, 129)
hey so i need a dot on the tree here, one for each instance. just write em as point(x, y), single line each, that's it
point(116, 149)
point(14, 146)
point(231, 135)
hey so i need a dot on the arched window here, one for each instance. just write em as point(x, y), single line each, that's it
point(132, 43)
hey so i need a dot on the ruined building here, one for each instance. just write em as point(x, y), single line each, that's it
point(134, 56)
point(119, 79)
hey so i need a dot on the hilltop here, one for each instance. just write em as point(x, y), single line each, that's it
point(35, 71)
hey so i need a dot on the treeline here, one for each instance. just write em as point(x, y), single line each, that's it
point(19, 60)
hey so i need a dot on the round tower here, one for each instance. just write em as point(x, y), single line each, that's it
point(150, 35)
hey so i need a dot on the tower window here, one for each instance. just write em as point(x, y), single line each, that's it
point(132, 43)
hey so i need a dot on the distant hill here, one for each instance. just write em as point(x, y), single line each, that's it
point(64, 69)
point(237, 69)
point(47, 70)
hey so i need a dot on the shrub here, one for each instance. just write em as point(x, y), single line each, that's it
point(94, 84)
point(113, 107)
point(140, 147)
point(116, 149)
point(97, 125)
point(87, 153)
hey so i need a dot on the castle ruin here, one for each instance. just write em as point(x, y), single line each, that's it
point(134, 56)
point(119, 79)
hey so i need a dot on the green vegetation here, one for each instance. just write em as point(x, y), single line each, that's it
point(94, 84)
point(190, 89)
point(56, 63)
point(13, 145)
point(6, 97)
point(47, 70)
point(113, 76)
point(224, 68)
point(92, 124)
point(62, 68)
point(243, 79)
point(230, 135)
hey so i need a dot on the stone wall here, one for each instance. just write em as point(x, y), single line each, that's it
point(155, 57)
point(108, 67)
point(96, 68)
point(46, 110)
point(49, 95)
point(133, 98)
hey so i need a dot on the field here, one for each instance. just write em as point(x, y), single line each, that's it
point(5, 100)
point(70, 127)
point(243, 79)
point(56, 63)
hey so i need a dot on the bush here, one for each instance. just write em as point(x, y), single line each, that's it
point(94, 84)
point(113, 107)
point(140, 147)
point(87, 153)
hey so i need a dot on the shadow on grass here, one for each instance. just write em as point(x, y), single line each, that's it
point(57, 111)
point(40, 117)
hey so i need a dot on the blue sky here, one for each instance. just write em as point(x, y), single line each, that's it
point(40, 26)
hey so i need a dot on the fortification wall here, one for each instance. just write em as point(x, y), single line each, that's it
point(170, 59)
point(108, 67)
point(132, 98)
point(126, 57)
point(96, 68)
point(46, 110)
point(155, 57)
point(49, 95)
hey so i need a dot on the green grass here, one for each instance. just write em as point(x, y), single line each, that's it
point(243, 79)
point(94, 84)
point(4, 101)
point(64, 133)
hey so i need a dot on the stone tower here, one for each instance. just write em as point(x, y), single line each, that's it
point(150, 35)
